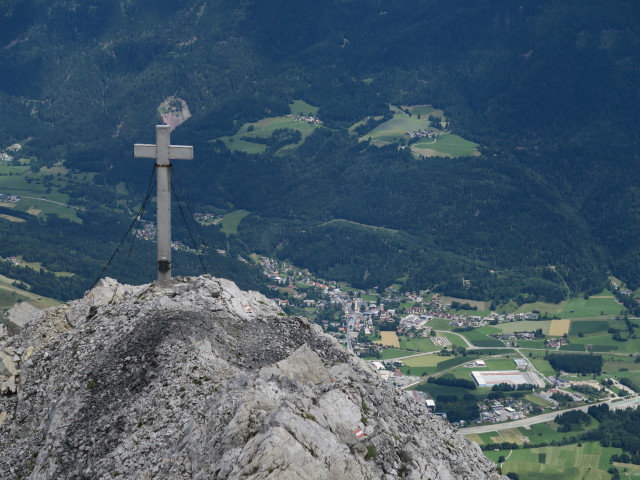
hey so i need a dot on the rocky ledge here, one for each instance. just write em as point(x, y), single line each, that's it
point(200, 380)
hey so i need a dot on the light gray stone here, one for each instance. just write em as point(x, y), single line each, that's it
point(201, 380)
point(18, 316)
point(7, 365)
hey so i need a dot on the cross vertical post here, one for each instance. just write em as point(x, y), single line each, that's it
point(163, 152)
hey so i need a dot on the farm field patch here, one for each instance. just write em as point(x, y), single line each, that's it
point(418, 344)
point(265, 127)
point(390, 354)
point(568, 462)
point(231, 221)
point(423, 361)
point(439, 143)
point(559, 328)
point(588, 326)
point(447, 145)
point(390, 339)
point(440, 324)
point(525, 326)
point(12, 218)
point(591, 307)
point(9, 295)
point(480, 338)
point(474, 303)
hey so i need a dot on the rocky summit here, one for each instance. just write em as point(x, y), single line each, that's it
point(201, 380)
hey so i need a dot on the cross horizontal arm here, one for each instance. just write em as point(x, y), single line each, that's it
point(141, 150)
point(180, 152)
point(176, 152)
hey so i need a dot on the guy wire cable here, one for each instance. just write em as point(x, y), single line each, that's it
point(184, 219)
point(106, 266)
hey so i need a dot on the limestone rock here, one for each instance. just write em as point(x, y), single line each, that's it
point(7, 365)
point(9, 387)
point(17, 317)
point(199, 380)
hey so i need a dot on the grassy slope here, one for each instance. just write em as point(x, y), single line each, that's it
point(231, 221)
point(265, 127)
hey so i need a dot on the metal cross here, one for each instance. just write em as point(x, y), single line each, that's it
point(163, 152)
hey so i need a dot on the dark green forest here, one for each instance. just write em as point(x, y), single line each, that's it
point(548, 89)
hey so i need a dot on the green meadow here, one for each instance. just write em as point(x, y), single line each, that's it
point(480, 337)
point(393, 132)
point(265, 127)
point(447, 145)
point(602, 304)
point(390, 354)
point(430, 364)
point(231, 221)
point(524, 326)
point(569, 462)
point(418, 344)
point(45, 194)
point(10, 295)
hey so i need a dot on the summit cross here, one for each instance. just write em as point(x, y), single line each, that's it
point(163, 152)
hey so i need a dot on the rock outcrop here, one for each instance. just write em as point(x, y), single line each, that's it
point(200, 380)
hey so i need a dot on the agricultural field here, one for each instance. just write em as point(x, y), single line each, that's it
point(531, 343)
point(231, 221)
point(424, 361)
point(440, 324)
point(540, 363)
point(369, 298)
point(434, 390)
point(603, 303)
point(38, 266)
point(300, 107)
point(604, 342)
point(430, 364)
point(390, 354)
point(481, 306)
point(559, 328)
point(265, 127)
point(12, 219)
point(589, 326)
point(569, 462)
point(393, 132)
point(447, 145)
point(390, 339)
point(480, 337)
point(594, 306)
point(10, 295)
point(524, 326)
point(455, 339)
point(535, 434)
point(40, 196)
point(418, 344)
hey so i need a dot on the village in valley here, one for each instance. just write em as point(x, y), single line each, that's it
point(440, 349)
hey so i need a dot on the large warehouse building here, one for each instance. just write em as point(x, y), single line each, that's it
point(511, 377)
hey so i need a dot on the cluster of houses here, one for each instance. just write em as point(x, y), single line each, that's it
point(13, 260)
point(6, 157)
point(310, 119)
point(9, 198)
point(146, 230)
point(421, 134)
point(205, 218)
point(515, 336)
point(556, 342)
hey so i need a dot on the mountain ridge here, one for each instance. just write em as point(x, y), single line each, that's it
point(198, 379)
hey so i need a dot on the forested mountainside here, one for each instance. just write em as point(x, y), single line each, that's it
point(547, 89)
